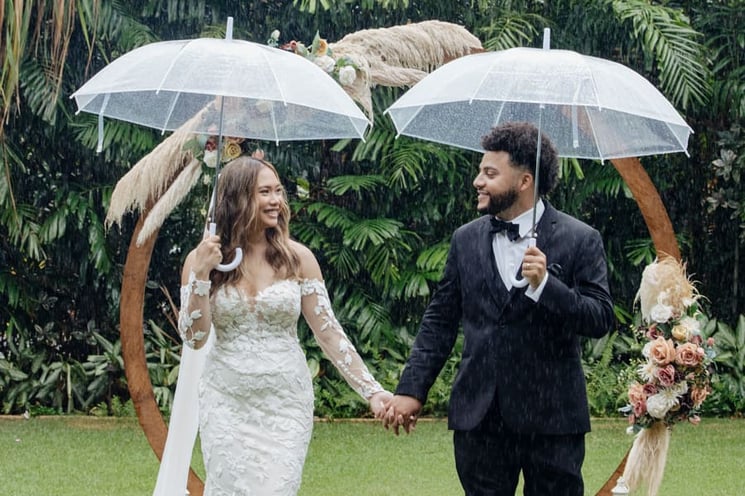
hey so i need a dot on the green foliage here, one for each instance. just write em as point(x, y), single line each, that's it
point(378, 213)
point(728, 383)
point(604, 390)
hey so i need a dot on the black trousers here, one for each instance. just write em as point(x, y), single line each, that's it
point(490, 457)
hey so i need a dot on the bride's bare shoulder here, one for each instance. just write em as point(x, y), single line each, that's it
point(309, 267)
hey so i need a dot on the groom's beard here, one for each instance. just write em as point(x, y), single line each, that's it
point(500, 202)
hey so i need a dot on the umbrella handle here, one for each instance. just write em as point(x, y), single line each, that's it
point(521, 283)
point(238, 255)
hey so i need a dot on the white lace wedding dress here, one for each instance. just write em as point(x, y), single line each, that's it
point(256, 394)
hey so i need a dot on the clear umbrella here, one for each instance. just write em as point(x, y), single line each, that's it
point(589, 107)
point(238, 88)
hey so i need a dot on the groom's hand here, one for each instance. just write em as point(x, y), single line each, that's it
point(402, 411)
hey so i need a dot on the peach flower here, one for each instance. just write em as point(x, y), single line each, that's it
point(698, 395)
point(687, 354)
point(636, 393)
point(662, 351)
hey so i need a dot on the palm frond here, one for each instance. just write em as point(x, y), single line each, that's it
point(511, 29)
point(366, 232)
point(332, 216)
point(340, 185)
point(346, 262)
point(667, 37)
point(15, 25)
point(433, 259)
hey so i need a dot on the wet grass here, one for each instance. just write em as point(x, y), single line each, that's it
point(87, 456)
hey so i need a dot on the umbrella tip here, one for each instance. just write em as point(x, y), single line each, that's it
point(546, 38)
point(229, 29)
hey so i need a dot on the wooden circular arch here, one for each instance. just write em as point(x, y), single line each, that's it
point(133, 297)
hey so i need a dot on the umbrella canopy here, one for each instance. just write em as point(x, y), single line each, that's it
point(589, 107)
point(269, 94)
point(225, 87)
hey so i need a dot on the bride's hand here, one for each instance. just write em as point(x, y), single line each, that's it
point(207, 255)
point(378, 403)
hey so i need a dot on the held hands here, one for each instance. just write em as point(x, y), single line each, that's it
point(378, 402)
point(401, 411)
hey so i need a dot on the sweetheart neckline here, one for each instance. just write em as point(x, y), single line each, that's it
point(264, 289)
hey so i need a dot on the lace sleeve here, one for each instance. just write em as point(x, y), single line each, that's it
point(192, 324)
point(332, 339)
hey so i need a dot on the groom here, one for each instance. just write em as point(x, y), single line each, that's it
point(518, 402)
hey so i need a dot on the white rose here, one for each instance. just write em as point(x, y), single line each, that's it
point(210, 158)
point(657, 406)
point(275, 34)
point(347, 75)
point(661, 313)
point(325, 62)
point(690, 324)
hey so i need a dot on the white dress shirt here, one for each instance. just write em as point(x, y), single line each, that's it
point(509, 254)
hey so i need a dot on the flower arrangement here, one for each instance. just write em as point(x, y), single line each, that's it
point(343, 69)
point(204, 148)
point(672, 380)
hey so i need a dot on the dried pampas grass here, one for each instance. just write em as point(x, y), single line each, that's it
point(664, 282)
point(153, 175)
point(401, 55)
point(647, 458)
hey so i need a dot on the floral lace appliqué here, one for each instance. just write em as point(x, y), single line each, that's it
point(187, 317)
point(333, 340)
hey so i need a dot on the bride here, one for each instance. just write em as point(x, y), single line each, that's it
point(255, 393)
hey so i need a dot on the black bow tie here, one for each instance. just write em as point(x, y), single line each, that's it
point(513, 230)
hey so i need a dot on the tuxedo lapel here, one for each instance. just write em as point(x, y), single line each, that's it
point(545, 228)
point(491, 273)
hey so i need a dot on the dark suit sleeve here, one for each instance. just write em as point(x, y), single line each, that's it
point(437, 333)
point(587, 303)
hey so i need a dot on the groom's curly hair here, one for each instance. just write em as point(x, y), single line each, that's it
point(520, 140)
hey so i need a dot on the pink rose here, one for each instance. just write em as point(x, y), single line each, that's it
point(662, 351)
point(687, 355)
point(652, 332)
point(666, 375)
point(640, 408)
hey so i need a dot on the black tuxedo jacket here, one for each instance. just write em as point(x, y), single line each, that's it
point(527, 353)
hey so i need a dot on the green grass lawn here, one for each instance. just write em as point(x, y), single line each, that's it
point(89, 456)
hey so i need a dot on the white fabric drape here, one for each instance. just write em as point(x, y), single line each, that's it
point(184, 424)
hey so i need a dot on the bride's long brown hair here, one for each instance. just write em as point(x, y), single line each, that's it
point(237, 216)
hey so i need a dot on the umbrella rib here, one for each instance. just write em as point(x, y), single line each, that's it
point(170, 112)
point(594, 135)
point(685, 148)
point(173, 63)
point(274, 126)
point(281, 93)
point(276, 79)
